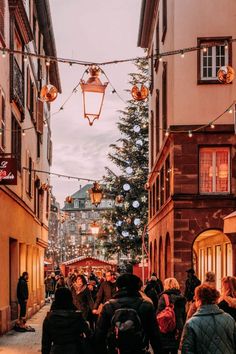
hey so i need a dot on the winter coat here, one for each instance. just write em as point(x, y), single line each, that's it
point(62, 332)
point(49, 285)
point(152, 290)
point(223, 305)
point(22, 290)
point(106, 290)
point(171, 340)
point(83, 301)
point(190, 285)
point(209, 331)
point(145, 311)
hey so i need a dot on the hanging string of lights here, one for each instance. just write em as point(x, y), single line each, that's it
point(159, 56)
point(61, 175)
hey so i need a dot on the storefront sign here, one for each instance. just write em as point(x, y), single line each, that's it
point(8, 171)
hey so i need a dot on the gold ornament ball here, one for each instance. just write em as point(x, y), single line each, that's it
point(225, 74)
point(139, 94)
point(119, 199)
point(48, 93)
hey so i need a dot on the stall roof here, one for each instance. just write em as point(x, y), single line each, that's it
point(82, 258)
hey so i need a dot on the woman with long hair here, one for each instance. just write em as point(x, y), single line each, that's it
point(82, 297)
point(172, 294)
point(227, 300)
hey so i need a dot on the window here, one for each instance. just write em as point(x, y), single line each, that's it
point(157, 121)
point(76, 203)
point(209, 259)
point(164, 99)
point(151, 72)
point(210, 59)
point(152, 139)
point(16, 141)
point(157, 44)
point(29, 174)
point(157, 194)
point(162, 187)
point(218, 266)
point(2, 122)
point(164, 20)
point(154, 199)
point(167, 177)
point(228, 259)
point(2, 20)
point(214, 170)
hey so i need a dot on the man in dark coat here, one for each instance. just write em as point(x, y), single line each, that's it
point(153, 289)
point(128, 297)
point(22, 296)
point(191, 283)
point(106, 290)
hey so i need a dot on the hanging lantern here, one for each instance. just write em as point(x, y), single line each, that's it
point(93, 94)
point(119, 199)
point(225, 74)
point(96, 194)
point(94, 228)
point(69, 200)
point(139, 94)
point(48, 93)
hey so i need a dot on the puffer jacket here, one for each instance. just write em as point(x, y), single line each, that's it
point(63, 332)
point(171, 340)
point(210, 330)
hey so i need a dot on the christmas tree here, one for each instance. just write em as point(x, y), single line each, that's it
point(130, 154)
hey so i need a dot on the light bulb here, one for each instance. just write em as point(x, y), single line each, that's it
point(204, 49)
point(182, 54)
point(160, 59)
point(230, 111)
point(47, 62)
point(3, 53)
point(23, 133)
point(190, 134)
point(212, 126)
point(167, 132)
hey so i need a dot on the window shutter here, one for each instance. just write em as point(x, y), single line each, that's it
point(27, 172)
point(2, 23)
point(39, 123)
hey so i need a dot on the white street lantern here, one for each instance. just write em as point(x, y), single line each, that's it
point(93, 94)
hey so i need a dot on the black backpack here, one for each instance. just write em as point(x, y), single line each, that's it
point(126, 334)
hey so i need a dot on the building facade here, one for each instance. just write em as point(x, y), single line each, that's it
point(25, 26)
point(192, 176)
point(79, 215)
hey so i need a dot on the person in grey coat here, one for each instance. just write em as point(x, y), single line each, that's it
point(210, 330)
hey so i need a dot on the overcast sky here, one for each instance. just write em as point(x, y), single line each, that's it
point(93, 30)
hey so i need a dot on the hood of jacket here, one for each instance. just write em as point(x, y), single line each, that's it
point(206, 310)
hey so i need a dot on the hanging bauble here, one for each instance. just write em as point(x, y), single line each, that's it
point(129, 170)
point(137, 128)
point(139, 142)
point(48, 93)
point(118, 223)
point(139, 93)
point(119, 199)
point(135, 204)
point(69, 200)
point(225, 74)
point(128, 220)
point(137, 221)
point(126, 187)
point(125, 233)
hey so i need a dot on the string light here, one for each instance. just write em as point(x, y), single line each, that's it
point(23, 132)
point(167, 132)
point(212, 126)
point(226, 45)
point(3, 53)
point(190, 134)
point(204, 49)
point(230, 110)
point(182, 54)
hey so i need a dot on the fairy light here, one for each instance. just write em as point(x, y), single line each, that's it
point(182, 54)
point(226, 45)
point(212, 126)
point(190, 134)
point(205, 49)
point(230, 110)
point(47, 62)
point(23, 132)
point(167, 132)
point(3, 53)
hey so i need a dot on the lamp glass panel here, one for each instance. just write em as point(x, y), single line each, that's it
point(92, 103)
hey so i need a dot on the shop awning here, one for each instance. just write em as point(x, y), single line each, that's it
point(230, 223)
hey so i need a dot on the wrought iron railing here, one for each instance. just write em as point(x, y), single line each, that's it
point(17, 85)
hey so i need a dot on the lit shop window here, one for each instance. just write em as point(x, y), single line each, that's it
point(214, 170)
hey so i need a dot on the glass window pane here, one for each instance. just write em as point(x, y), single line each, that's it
point(206, 172)
point(222, 166)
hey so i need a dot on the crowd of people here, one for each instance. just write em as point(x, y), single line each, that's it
point(116, 314)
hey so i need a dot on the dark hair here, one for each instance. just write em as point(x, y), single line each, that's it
point(24, 274)
point(206, 294)
point(128, 281)
point(82, 277)
point(63, 299)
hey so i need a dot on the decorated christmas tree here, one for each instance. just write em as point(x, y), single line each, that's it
point(130, 155)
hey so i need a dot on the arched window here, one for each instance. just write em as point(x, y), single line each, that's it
point(161, 269)
point(168, 256)
point(2, 22)
point(155, 257)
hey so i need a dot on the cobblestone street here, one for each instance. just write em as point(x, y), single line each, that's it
point(27, 342)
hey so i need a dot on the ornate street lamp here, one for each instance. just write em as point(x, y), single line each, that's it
point(96, 194)
point(93, 94)
point(94, 228)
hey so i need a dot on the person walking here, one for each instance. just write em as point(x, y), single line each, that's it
point(64, 330)
point(48, 287)
point(172, 295)
point(82, 297)
point(153, 289)
point(191, 283)
point(127, 323)
point(227, 300)
point(210, 330)
point(22, 297)
point(60, 283)
point(106, 290)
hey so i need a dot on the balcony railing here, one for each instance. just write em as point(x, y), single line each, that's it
point(17, 85)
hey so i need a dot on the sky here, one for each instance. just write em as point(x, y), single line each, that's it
point(90, 30)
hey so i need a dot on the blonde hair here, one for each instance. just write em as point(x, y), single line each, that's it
point(171, 283)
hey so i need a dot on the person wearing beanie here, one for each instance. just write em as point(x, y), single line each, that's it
point(64, 329)
point(127, 299)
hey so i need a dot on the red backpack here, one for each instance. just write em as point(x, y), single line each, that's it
point(166, 318)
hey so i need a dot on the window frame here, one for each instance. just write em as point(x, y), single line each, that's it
point(164, 20)
point(2, 120)
point(214, 149)
point(200, 42)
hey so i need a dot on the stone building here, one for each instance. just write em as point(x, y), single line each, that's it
point(24, 26)
point(79, 215)
point(192, 173)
